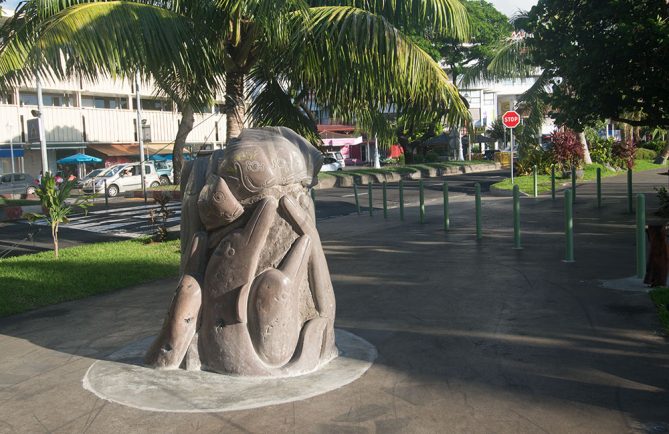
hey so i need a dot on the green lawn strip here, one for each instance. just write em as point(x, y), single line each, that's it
point(660, 297)
point(31, 281)
point(526, 182)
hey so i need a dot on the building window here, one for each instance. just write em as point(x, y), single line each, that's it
point(488, 98)
point(59, 100)
point(157, 105)
point(219, 108)
point(7, 98)
point(28, 98)
point(104, 102)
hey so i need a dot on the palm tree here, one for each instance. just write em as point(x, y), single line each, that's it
point(274, 57)
point(513, 58)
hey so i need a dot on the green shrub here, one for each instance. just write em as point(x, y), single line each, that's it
point(401, 160)
point(530, 155)
point(418, 158)
point(653, 145)
point(431, 157)
point(601, 151)
point(645, 154)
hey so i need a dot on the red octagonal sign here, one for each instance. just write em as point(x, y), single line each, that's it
point(511, 119)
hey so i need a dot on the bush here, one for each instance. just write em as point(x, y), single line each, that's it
point(645, 154)
point(418, 158)
point(653, 145)
point(601, 151)
point(623, 154)
point(567, 151)
point(530, 155)
point(401, 160)
point(431, 157)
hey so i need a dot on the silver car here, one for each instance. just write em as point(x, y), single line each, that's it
point(17, 183)
point(121, 178)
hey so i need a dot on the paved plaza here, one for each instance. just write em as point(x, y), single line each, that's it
point(472, 336)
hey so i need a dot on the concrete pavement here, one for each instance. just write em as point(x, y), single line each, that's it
point(472, 336)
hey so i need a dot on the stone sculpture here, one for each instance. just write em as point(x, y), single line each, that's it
point(255, 297)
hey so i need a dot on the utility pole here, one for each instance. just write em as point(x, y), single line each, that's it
point(40, 124)
point(140, 139)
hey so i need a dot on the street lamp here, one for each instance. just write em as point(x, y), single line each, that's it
point(40, 124)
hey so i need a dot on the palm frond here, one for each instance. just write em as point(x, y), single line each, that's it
point(358, 61)
point(534, 100)
point(512, 59)
point(448, 17)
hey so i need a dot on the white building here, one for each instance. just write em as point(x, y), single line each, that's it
point(488, 100)
point(97, 118)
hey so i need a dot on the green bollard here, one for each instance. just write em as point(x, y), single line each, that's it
point(630, 210)
point(516, 217)
point(447, 222)
point(369, 193)
point(422, 201)
point(573, 184)
point(401, 186)
point(479, 234)
point(640, 236)
point(536, 186)
point(385, 201)
point(599, 187)
point(568, 226)
point(357, 201)
point(553, 182)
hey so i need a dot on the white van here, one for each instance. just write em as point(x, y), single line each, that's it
point(121, 178)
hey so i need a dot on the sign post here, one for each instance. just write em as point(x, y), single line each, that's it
point(511, 119)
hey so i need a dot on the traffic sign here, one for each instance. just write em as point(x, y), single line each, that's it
point(511, 119)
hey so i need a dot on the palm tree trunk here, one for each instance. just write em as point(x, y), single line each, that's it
point(185, 127)
point(54, 235)
point(235, 108)
point(586, 151)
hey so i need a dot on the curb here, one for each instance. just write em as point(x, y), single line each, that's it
point(12, 213)
point(363, 179)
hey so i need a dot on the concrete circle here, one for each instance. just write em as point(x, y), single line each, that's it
point(123, 380)
point(626, 284)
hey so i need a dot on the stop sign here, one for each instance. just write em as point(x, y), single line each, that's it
point(511, 119)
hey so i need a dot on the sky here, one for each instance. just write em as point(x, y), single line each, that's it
point(508, 7)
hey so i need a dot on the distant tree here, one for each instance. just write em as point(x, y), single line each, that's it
point(612, 57)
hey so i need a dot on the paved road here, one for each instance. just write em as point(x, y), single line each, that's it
point(130, 218)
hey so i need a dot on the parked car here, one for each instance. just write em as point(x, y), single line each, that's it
point(165, 172)
point(92, 174)
point(337, 156)
point(17, 183)
point(331, 165)
point(121, 178)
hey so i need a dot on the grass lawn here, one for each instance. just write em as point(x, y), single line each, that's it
point(660, 297)
point(526, 183)
point(31, 281)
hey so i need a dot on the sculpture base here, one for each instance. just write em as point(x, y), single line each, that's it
point(122, 379)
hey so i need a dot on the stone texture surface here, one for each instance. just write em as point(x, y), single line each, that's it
point(255, 286)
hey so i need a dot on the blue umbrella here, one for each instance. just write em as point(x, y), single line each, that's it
point(78, 159)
